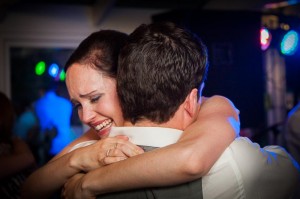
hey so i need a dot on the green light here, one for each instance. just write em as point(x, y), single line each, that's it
point(40, 68)
point(62, 75)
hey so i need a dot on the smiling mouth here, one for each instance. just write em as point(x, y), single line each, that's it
point(103, 125)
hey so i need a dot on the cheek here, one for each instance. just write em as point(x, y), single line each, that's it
point(79, 112)
point(107, 107)
point(113, 107)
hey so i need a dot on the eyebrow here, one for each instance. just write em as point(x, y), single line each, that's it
point(87, 94)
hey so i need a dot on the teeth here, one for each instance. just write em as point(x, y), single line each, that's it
point(98, 127)
point(102, 125)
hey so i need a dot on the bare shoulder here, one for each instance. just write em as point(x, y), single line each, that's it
point(218, 99)
point(87, 136)
point(219, 106)
point(217, 102)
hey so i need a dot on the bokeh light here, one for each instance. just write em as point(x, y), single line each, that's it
point(289, 43)
point(265, 38)
point(53, 70)
point(40, 68)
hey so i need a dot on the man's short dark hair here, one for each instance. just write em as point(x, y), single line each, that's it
point(158, 67)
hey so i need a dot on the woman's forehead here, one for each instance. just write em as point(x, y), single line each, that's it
point(84, 78)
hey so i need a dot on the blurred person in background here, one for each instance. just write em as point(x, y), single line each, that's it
point(54, 115)
point(292, 132)
point(16, 158)
point(27, 127)
point(26, 120)
point(292, 136)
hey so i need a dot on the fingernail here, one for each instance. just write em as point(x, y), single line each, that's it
point(139, 151)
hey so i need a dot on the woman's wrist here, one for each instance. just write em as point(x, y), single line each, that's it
point(74, 161)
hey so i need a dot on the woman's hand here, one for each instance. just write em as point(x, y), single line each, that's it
point(103, 152)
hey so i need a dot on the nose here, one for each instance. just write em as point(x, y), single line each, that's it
point(87, 115)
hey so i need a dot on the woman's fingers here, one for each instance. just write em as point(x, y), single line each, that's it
point(113, 155)
point(127, 148)
point(119, 149)
point(124, 137)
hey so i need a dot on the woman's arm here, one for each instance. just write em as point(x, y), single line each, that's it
point(21, 158)
point(217, 125)
point(50, 178)
point(190, 158)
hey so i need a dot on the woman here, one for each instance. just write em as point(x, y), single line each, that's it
point(91, 72)
point(15, 156)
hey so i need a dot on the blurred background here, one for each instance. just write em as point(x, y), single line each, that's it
point(252, 45)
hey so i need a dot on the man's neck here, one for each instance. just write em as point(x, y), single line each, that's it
point(180, 120)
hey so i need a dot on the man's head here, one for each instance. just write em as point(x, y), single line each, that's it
point(158, 68)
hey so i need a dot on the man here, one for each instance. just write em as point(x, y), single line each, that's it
point(292, 132)
point(160, 80)
point(292, 135)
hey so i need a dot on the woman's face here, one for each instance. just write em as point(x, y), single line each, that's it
point(95, 98)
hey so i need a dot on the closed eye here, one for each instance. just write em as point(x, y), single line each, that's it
point(95, 99)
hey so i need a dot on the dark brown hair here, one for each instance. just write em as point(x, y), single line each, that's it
point(159, 66)
point(99, 50)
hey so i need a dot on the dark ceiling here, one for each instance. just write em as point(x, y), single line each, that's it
point(251, 4)
point(289, 7)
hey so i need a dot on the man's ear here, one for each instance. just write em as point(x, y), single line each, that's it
point(191, 103)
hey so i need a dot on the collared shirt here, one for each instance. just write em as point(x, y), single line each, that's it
point(142, 136)
point(244, 170)
point(148, 136)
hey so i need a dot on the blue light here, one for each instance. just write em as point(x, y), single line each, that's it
point(289, 43)
point(53, 70)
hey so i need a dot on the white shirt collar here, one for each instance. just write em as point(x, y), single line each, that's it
point(148, 136)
